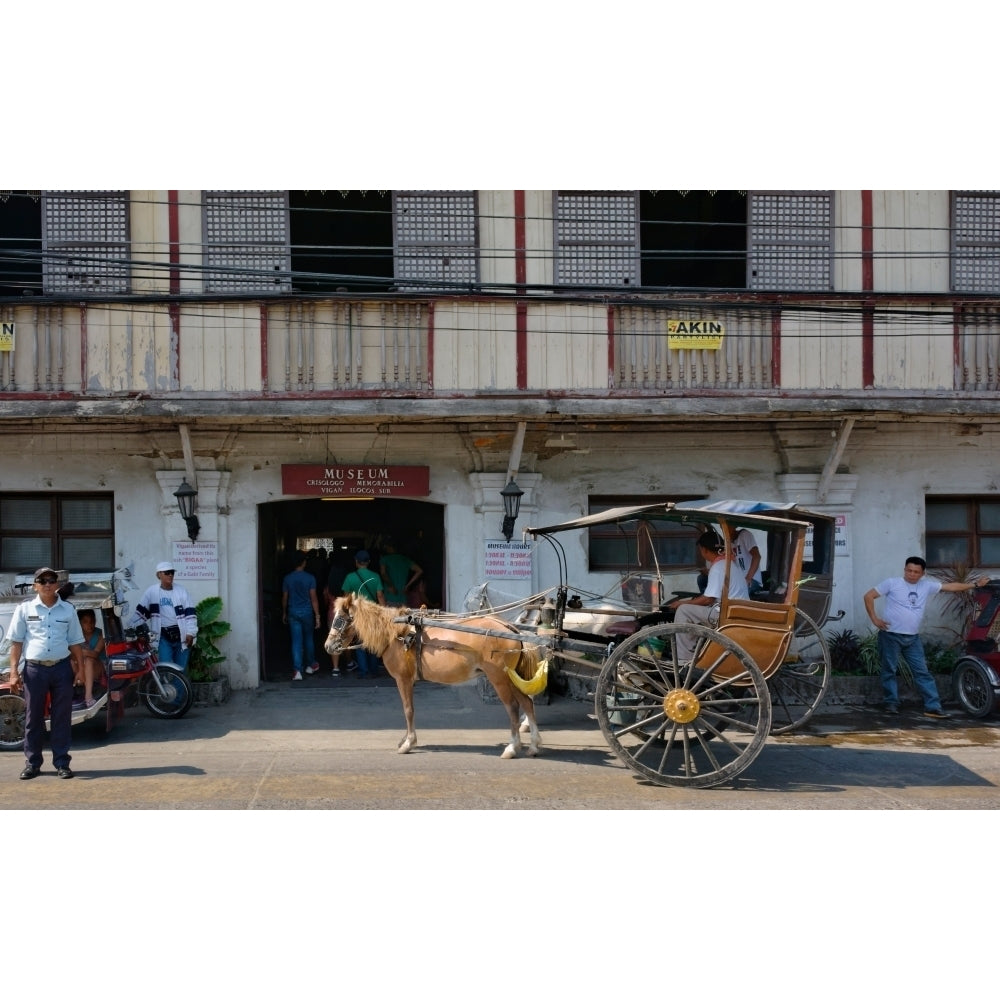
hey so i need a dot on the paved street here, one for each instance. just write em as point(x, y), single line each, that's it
point(323, 745)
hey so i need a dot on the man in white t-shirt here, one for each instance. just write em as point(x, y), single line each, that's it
point(905, 600)
point(712, 550)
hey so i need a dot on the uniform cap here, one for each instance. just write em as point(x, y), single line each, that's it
point(362, 556)
point(45, 570)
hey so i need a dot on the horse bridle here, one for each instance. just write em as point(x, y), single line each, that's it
point(339, 623)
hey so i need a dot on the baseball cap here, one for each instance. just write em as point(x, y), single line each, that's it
point(164, 567)
point(45, 571)
point(362, 556)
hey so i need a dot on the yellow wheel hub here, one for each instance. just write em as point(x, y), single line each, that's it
point(681, 705)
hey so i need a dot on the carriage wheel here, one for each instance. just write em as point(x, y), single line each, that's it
point(12, 715)
point(801, 682)
point(676, 724)
point(973, 688)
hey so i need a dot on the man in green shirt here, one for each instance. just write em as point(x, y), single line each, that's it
point(365, 583)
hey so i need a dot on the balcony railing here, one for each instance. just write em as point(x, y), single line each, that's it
point(458, 346)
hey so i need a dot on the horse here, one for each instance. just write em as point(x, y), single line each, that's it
point(441, 654)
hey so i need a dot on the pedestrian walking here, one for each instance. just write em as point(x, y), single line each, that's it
point(300, 612)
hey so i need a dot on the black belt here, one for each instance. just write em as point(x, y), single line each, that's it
point(47, 663)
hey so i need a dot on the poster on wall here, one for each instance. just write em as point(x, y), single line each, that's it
point(840, 539)
point(508, 560)
point(196, 561)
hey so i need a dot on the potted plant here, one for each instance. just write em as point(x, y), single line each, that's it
point(211, 686)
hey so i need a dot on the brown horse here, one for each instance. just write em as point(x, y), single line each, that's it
point(438, 653)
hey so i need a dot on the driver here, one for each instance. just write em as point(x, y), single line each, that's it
point(712, 550)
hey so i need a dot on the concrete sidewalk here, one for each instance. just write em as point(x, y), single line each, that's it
point(332, 745)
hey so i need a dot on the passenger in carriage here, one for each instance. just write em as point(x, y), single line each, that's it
point(94, 658)
point(746, 555)
point(712, 550)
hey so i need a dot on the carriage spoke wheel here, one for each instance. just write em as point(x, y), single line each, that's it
point(801, 682)
point(973, 688)
point(12, 715)
point(676, 724)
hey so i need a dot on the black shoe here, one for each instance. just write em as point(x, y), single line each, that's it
point(30, 771)
point(64, 772)
point(935, 713)
point(890, 709)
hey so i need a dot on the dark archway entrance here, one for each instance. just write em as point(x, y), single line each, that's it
point(341, 527)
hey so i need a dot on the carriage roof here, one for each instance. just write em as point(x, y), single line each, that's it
point(743, 513)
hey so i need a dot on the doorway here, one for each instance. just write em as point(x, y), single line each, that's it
point(337, 528)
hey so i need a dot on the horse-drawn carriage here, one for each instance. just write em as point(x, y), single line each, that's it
point(761, 667)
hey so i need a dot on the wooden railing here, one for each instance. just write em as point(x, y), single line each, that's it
point(464, 347)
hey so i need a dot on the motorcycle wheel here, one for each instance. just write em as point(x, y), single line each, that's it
point(12, 713)
point(178, 697)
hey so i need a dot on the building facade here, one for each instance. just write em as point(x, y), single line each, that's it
point(331, 368)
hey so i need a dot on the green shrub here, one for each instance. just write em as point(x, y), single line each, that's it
point(203, 663)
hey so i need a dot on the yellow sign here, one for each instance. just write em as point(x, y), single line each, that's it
point(6, 336)
point(695, 334)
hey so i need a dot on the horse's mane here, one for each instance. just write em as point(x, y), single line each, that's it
point(373, 622)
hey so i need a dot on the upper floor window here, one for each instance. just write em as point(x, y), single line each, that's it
point(341, 240)
point(245, 241)
point(436, 240)
point(20, 242)
point(780, 240)
point(962, 532)
point(71, 531)
point(975, 241)
point(85, 242)
point(596, 238)
point(790, 244)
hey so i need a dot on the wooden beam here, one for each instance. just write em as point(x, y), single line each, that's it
point(836, 453)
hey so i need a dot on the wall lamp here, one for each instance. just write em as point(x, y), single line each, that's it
point(187, 501)
point(511, 496)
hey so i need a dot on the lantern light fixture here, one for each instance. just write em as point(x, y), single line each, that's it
point(187, 502)
point(511, 496)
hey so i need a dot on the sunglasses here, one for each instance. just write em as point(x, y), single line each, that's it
point(46, 580)
point(167, 572)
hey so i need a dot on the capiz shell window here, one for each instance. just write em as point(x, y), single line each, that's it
point(85, 242)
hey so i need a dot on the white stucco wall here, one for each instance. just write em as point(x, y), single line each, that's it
point(891, 469)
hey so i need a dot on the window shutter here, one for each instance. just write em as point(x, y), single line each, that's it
point(436, 240)
point(975, 241)
point(596, 238)
point(791, 241)
point(246, 241)
point(85, 242)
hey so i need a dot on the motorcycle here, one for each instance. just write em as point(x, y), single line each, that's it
point(132, 675)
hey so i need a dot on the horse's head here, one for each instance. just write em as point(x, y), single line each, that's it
point(342, 626)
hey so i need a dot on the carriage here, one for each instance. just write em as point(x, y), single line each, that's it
point(761, 666)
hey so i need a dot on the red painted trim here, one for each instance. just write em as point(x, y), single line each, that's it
point(776, 349)
point(520, 243)
point(430, 345)
point(83, 347)
point(956, 344)
point(174, 309)
point(868, 285)
point(173, 229)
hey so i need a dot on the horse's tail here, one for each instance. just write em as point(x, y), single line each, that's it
point(531, 675)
